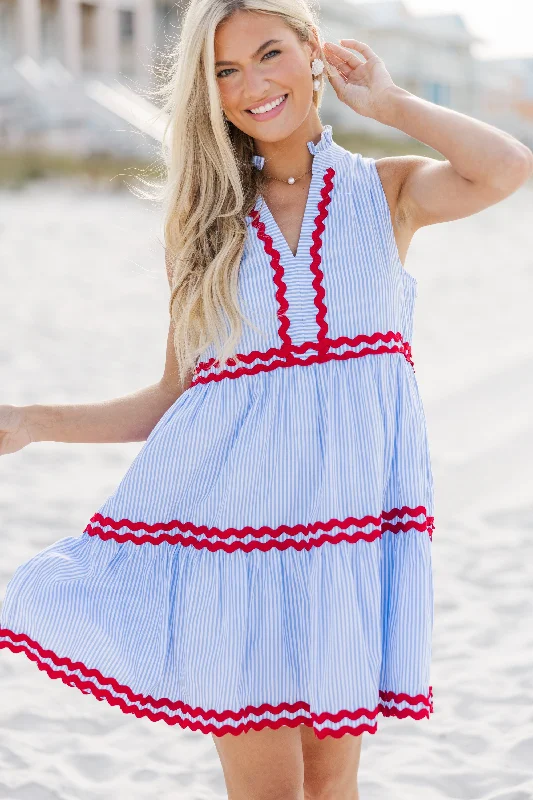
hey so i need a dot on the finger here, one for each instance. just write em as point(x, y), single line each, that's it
point(361, 47)
point(337, 62)
point(344, 54)
point(335, 78)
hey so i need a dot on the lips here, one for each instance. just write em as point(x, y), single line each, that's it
point(271, 112)
point(272, 99)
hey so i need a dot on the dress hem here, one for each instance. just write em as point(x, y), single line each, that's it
point(288, 714)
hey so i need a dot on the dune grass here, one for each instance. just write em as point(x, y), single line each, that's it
point(380, 147)
point(19, 168)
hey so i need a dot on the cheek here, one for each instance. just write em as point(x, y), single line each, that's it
point(297, 74)
point(228, 94)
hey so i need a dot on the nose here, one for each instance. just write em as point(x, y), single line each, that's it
point(255, 86)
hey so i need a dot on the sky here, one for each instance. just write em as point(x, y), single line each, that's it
point(506, 26)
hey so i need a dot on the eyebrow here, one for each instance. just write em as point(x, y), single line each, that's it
point(257, 52)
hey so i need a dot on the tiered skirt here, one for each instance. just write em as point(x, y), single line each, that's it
point(265, 561)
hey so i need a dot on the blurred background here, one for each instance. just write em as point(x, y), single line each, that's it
point(73, 74)
point(84, 318)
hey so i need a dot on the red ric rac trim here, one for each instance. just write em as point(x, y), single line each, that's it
point(199, 536)
point(106, 688)
point(278, 277)
point(291, 355)
point(407, 354)
point(315, 253)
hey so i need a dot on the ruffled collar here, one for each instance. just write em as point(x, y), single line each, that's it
point(326, 139)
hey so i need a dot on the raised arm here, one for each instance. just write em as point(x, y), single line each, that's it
point(482, 164)
point(129, 418)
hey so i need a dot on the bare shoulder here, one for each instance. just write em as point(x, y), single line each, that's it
point(393, 171)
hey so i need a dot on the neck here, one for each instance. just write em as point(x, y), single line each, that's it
point(290, 155)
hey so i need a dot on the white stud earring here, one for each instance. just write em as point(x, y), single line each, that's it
point(317, 68)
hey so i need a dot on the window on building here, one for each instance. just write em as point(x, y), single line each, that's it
point(127, 56)
point(50, 29)
point(89, 54)
point(8, 27)
point(126, 24)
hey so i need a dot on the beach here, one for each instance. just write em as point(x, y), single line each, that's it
point(84, 318)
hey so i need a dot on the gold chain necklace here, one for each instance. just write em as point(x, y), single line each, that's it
point(290, 180)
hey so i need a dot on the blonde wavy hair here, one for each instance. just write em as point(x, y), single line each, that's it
point(210, 183)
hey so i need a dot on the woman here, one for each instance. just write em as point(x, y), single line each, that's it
point(263, 570)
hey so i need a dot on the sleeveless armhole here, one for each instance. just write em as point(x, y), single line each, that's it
point(385, 218)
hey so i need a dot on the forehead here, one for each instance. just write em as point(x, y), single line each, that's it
point(239, 36)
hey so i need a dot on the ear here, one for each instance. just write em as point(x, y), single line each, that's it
point(314, 44)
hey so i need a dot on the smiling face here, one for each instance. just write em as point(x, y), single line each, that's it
point(266, 68)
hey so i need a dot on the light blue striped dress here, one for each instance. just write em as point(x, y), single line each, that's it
point(266, 558)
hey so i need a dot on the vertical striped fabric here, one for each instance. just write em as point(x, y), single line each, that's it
point(266, 558)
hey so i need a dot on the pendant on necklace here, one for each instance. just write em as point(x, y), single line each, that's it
point(291, 180)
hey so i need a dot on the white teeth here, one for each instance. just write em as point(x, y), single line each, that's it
point(268, 107)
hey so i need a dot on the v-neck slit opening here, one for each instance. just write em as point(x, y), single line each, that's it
point(308, 225)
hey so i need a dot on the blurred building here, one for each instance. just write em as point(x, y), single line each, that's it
point(429, 56)
point(106, 36)
point(505, 95)
point(67, 65)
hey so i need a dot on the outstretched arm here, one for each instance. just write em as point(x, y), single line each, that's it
point(129, 418)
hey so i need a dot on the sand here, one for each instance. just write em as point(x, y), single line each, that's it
point(83, 317)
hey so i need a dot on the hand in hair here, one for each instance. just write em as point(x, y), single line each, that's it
point(362, 85)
